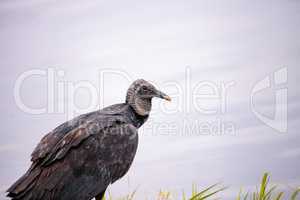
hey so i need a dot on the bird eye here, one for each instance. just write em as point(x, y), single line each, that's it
point(144, 88)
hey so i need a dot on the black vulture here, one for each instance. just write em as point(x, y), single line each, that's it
point(81, 157)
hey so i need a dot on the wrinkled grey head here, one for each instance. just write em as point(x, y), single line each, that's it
point(140, 94)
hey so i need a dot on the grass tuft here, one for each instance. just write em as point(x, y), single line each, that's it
point(265, 192)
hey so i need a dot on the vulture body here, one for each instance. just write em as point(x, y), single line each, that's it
point(81, 157)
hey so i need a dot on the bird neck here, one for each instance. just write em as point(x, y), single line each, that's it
point(136, 119)
point(142, 106)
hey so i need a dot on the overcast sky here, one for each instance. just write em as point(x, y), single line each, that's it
point(177, 45)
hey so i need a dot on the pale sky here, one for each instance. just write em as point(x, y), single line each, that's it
point(170, 43)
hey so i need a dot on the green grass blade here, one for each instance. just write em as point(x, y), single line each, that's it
point(263, 186)
point(279, 196)
point(196, 195)
point(295, 194)
point(199, 197)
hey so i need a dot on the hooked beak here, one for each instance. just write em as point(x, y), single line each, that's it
point(162, 95)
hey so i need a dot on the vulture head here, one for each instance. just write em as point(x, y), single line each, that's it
point(140, 94)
